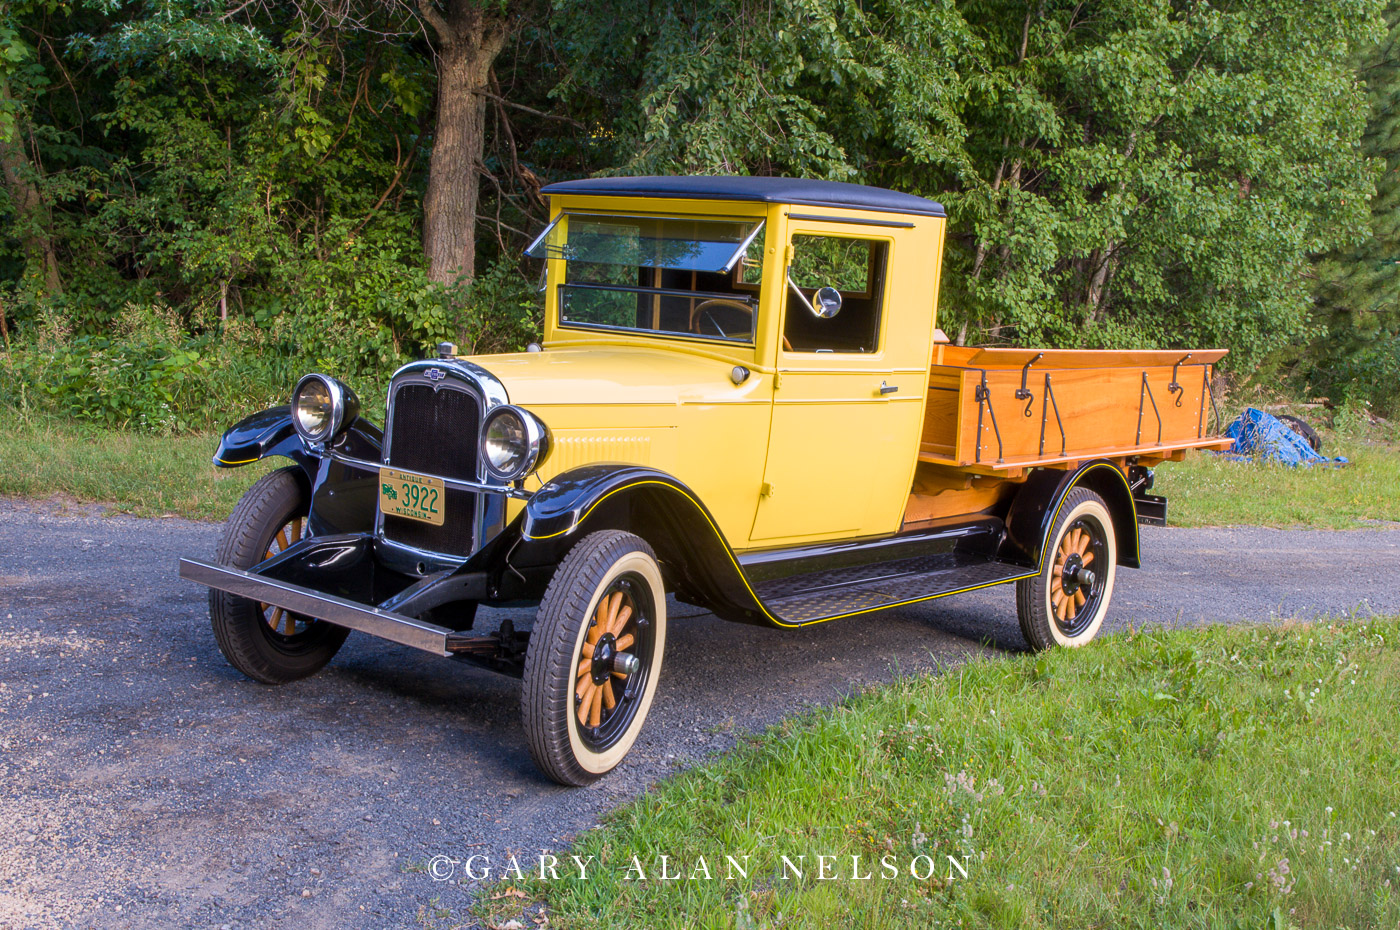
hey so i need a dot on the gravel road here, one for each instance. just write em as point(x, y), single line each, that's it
point(144, 783)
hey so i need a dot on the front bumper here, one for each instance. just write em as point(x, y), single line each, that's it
point(340, 580)
point(341, 611)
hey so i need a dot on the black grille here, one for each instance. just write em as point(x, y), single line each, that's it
point(435, 431)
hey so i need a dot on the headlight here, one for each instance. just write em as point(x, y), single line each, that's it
point(513, 443)
point(322, 406)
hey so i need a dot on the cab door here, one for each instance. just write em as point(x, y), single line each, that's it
point(839, 443)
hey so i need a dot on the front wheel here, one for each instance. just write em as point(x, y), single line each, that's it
point(268, 644)
point(1064, 605)
point(594, 657)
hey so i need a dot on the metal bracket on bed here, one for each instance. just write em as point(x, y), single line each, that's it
point(984, 399)
point(1045, 407)
point(1024, 393)
point(1201, 422)
point(1146, 391)
point(1175, 387)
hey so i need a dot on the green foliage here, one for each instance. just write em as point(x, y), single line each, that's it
point(1357, 352)
point(1116, 174)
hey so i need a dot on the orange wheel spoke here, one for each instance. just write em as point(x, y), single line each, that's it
point(623, 616)
point(614, 605)
point(1065, 545)
point(1088, 557)
point(589, 696)
point(276, 621)
point(585, 665)
point(618, 675)
point(1056, 596)
point(1084, 540)
point(624, 641)
point(595, 712)
point(1079, 599)
point(608, 700)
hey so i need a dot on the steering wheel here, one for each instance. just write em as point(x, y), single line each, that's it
point(702, 313)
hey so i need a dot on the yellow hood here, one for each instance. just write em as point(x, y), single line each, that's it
point(612, 375)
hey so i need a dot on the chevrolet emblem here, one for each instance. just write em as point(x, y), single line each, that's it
point(435, 374)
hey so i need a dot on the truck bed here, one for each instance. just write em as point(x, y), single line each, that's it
point(1000, 411)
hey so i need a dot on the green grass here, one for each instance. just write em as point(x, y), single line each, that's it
point(1223, 777)
point(1207, 490)
point(47, 460)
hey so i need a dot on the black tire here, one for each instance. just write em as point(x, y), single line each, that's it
point(1303, 429)
point(268, 644)
point(1045, 623)
point(607, 576)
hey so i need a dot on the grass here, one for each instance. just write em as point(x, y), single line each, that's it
point(1207, 490)
point(149, 476)
point(1223, 777)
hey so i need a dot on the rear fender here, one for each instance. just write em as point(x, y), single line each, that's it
point(1037, 505)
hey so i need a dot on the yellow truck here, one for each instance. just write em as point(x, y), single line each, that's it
point(742, 399)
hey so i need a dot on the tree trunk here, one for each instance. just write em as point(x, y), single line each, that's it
point(32, 220)
point(468, 42)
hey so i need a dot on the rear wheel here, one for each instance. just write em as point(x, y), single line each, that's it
point(594, 657)
point(267, 643)
point(1065, 604)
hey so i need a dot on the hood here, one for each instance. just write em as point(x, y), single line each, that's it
point(611, 375)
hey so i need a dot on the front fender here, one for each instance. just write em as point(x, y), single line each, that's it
point(696, 559)
point(342, 497)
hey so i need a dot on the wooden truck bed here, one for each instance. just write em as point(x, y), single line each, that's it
point(1000, 411)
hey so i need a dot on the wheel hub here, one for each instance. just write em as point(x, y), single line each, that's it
point(1070, 578)
point(603, 656)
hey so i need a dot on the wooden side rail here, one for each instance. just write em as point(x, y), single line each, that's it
point(995, 419)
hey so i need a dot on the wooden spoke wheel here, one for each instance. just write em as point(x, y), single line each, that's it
point(284, 622)
point(1065, 604)
point(594, 657)
point(267, 643)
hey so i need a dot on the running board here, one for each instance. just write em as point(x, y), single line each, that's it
point(826, 595)
point(385, 624)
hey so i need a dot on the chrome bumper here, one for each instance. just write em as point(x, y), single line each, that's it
point(385, 624)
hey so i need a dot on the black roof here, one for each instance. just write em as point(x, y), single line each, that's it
point(767, 190)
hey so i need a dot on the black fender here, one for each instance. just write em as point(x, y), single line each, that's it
point(696, 560)
point(1037, 505)
point(342, 497)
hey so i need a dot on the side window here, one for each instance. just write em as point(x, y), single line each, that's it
point(856, 269)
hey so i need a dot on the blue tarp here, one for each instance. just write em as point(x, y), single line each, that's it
point(1263, 437)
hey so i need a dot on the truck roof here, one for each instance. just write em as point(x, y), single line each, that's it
point(801, 191)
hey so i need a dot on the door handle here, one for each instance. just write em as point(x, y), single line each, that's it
point(886, 388)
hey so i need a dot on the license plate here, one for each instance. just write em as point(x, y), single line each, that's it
point(415, 497)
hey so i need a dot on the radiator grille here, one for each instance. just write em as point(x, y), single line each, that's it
point(435, 431)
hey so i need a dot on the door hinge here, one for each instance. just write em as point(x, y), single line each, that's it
point(777, 380)
point(766, 490)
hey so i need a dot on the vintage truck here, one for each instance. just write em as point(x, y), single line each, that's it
point(742, 399)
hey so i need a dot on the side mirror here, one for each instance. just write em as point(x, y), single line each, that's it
point(828, 300)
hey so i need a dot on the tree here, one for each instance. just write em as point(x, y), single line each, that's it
point(32, 221)
point(469, 37)
point(1116, 172)
point(1358, 288)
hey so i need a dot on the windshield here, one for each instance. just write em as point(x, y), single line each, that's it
point(667, 275)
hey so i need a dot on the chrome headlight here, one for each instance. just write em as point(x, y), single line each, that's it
point(513, 443)
point(322, 407)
